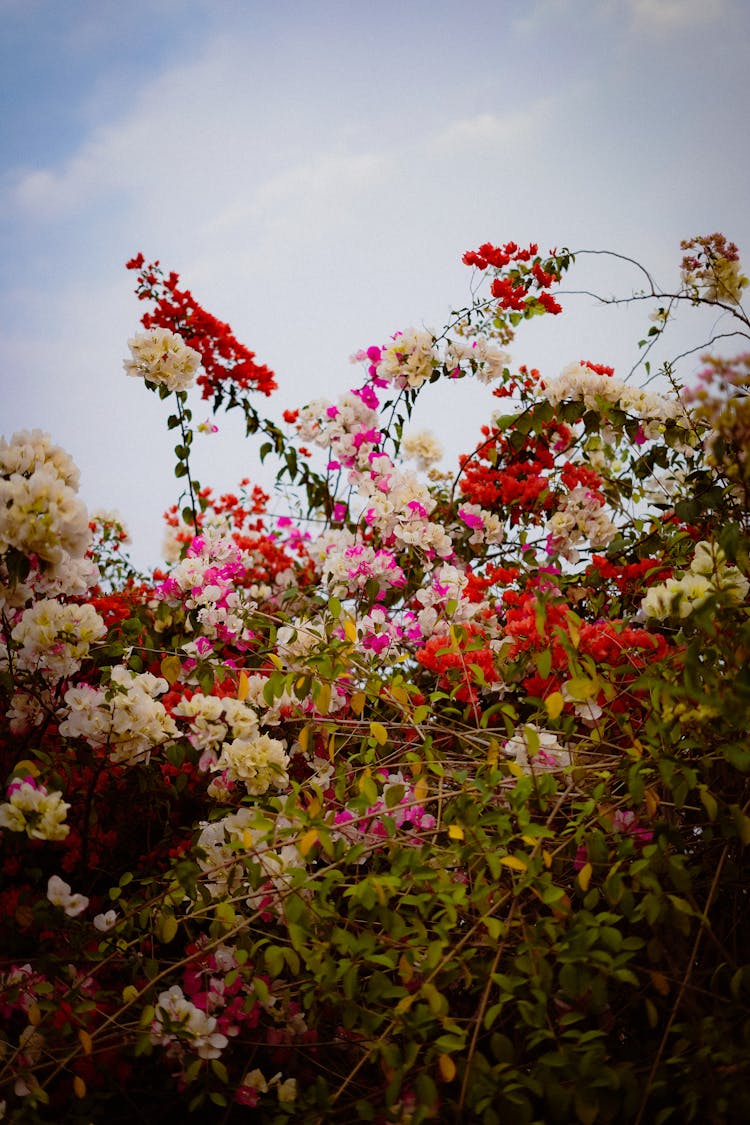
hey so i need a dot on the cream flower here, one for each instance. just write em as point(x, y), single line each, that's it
point(162, 357)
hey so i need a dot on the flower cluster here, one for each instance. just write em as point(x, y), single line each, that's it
point(40, 513)
point(226, 362)
point(711, 269)
point(32, 809)
point(163, 358)
point(125, 716)
point(413, 797)
point(55, 638)
point(709, 575)
point(180, 1025)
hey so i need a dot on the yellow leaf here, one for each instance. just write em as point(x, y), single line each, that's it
point(171, 667)
point(276, 661)
point(581, 688)
point(456, 832)
point(34, 1015)
point(492, 752)
point(651, 801)
point(516, 769)
point(304, 738)
point(25, 767)
point(573, 628)
point(447, 1068)
point(85, 1040)
point(400, 694)
point(167, 928)
point(379, 733)
point(554, 704)
point(323, 698)
point(357, 702)
point(332, 747)
point(513, 862)
point(79, 1087)
point(350, 629)
point(547, 857)
point(244, 686)
point(313, 809)
point(405, 969)
point(307, 841)
point(301, 681)
point(129, 994)
point(420, 789)
point(584, 876)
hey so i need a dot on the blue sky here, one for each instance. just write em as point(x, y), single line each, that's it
point(314, 172)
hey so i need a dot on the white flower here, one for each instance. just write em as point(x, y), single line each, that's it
point(59, 894)
point(56, 638)
point(162, 357)
point(423, 447)
point(179, 1020)
point(409, 360)
point(125, 716)
point(31, 809)
point(538, 749)
point(258, 763)
point(104, 922)
point(41, 515)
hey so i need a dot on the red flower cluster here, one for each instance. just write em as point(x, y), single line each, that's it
point(515, 475)
point(498, 257)
point(513, 291)
point(224, 358)
point(463, 664)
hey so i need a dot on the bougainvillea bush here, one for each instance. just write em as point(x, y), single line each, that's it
point(425, 799)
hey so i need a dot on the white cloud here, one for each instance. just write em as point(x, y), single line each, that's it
point(490, 131)
point(671, 15)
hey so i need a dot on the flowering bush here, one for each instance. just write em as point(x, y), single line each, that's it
point(434, 811)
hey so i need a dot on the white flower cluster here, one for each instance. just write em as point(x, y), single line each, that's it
point(409, 360)
point(55, 638)
point(213, 720)
point(224, 846)
point(534, 748)
point(486, 526)
point(400, 506)
point(32, 809)
point(709, 574)
point(296, 641)
point(258, 763)
point(162, 357)
point(40, 513)
point(578, 383)
point(125, 716)
point(581, 516)
point(179, 1023)
point(286, 1089)
point(485, 360)
point(422, 447)
point(59, 894)
point(448, 584)
point(348, 429)
point(348, 567)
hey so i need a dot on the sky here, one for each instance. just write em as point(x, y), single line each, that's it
point(314, 172)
